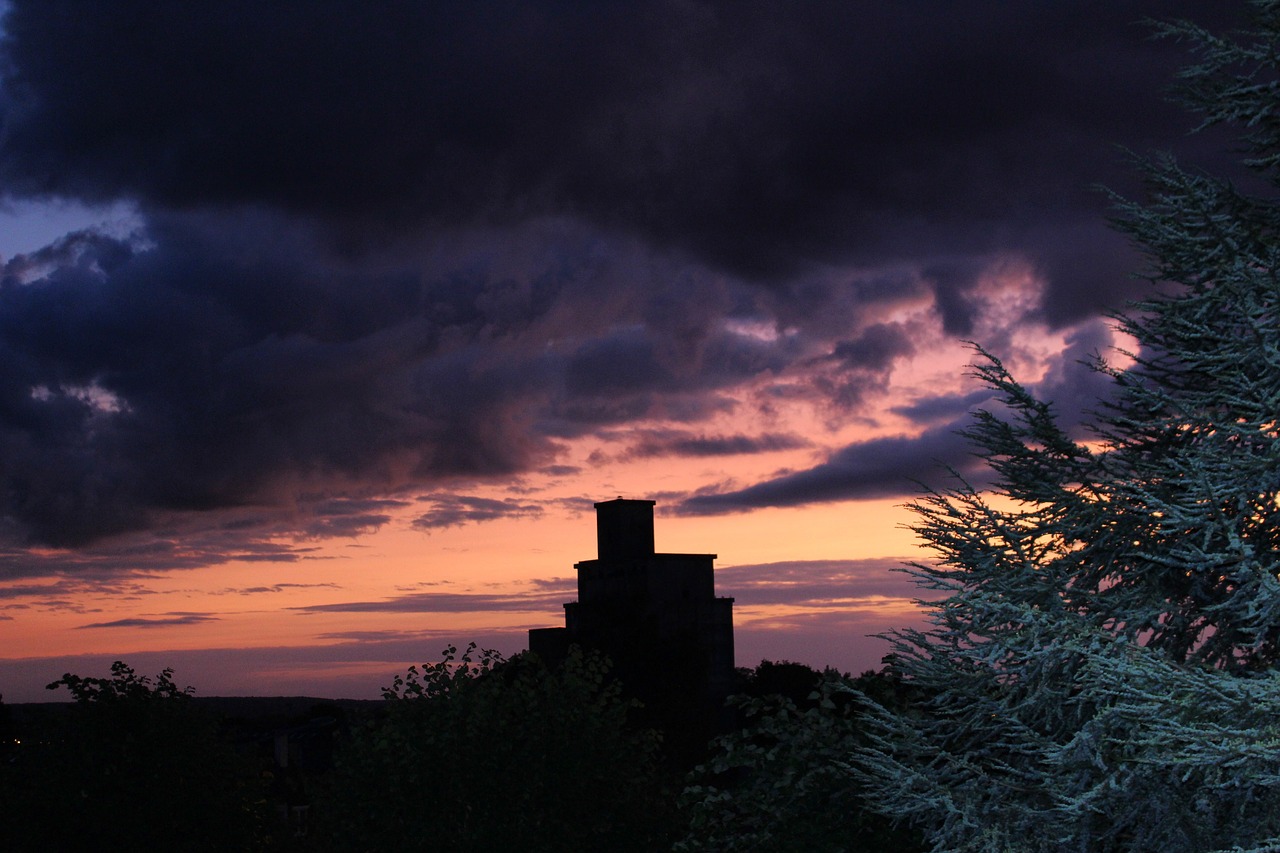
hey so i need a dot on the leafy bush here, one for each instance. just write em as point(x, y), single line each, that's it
point(478, 753)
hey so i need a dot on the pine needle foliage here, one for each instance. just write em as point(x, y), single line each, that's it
point(1102, 662)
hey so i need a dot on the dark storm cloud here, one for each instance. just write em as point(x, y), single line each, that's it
point(1076, 390)
point(880, 468)
point(860, 366)
point(235, 362)
point(755, 135)
point(212, 384)
point(946, 407)
point(561, 470)
point(348, 517)
point(875, 348)
point(384, 245)
point(901, 466)
point(122, 564)
point(656, 443)
point(952, 283)
point(638, 371)
point(71, 591)
point(173, 374)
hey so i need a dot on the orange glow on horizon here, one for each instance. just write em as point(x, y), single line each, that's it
point(402, 592)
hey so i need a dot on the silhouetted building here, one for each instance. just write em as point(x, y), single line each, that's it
point(655, 615)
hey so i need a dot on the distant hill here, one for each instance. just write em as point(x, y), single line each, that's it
point(258, 709)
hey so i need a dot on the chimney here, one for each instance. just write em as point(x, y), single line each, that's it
point(624, 529)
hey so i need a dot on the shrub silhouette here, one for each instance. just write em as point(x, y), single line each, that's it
point(132, 764)
point(478, 753)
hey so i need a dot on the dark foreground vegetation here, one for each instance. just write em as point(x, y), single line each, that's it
point(472, 753)
point(1101, 671)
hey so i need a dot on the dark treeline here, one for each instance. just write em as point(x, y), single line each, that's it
point(472, 753)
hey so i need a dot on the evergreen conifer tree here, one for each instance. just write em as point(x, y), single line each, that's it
point(1103, 665)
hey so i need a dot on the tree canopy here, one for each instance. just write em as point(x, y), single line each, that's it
point(477, 752)
point(1101, 667)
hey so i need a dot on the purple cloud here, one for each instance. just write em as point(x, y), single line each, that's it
point(386, 251)
point(900, 466)
point(674, 442)
point(543, 597)
point(879, 468)
point(822, 584)
point(456, 510)
point(165, 621)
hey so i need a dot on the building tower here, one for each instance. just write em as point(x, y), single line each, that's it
point(656, 616)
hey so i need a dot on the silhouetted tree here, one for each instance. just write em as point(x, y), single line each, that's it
point(780, 783)
point(131, 765)
point(8, 736)
point(1102, 668)
point(795, 681)
point(478, 753)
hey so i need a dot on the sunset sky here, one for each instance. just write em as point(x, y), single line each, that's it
point(323, 324)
